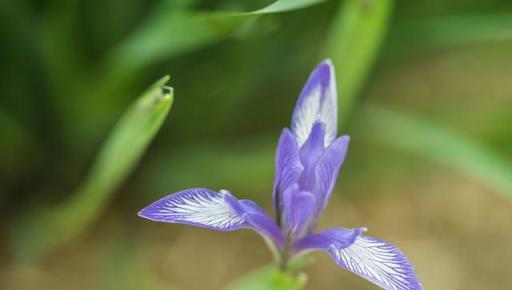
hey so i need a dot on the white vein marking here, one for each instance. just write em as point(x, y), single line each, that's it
point(316, 108)
point(307, 114)
point(200, 208)
point(377, 261)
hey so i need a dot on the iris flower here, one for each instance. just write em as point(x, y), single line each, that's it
point(308, 159)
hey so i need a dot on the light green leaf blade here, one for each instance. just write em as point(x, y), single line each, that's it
point(432, 141)
point(267, 278)
point(287, 5)
point(46, 229)
point(169, 33)
point(354, 41)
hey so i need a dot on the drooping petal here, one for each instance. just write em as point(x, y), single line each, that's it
point(378, 262)
point(373, 259)
point(288, 166)
point(327, 169)
point(317, 102)
point(298, 208)
point(219, 211)
point(199, 207)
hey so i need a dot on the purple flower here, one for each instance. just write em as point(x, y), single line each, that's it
point(308, 159)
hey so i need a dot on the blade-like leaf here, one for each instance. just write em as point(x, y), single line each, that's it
point(166, 33)
point(287, 5)
point(425, 138)
point(353, 44)
point(44, 230)
point(269, 277)
point(164, 36)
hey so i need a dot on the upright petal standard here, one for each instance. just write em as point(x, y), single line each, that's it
point(308, 160)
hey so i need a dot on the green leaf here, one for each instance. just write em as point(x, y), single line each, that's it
point(287, 5)
point(46, 229)
point(169, 33)
point(432, 141)
point(354, 41)
point(166, 33)
point(269, 278)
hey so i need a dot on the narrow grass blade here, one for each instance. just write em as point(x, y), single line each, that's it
point(287, 5)
point(169, 33)
point(354, 41)
point(429, 140)
point(44, 230)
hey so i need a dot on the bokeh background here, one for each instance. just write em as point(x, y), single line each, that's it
point(425, 92)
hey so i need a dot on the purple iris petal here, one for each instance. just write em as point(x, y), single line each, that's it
point(339, 237)
point(258, 220)
point(288, 167)
point(309, 154)
point(317, 102)
point(314, 145)
point(371, 258)
point(327, 169)
point(199, 207)
point(219, 211)
point(378, 262)
point(298, 209)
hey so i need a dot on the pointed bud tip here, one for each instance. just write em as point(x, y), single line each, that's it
point(328, 62)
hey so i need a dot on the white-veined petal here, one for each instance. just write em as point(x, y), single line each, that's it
point(199, 207)
point(317, 102)
point(378, 262)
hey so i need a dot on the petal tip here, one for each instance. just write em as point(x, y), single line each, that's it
point(325, 72)
point(327, 63)
point(141, 213)
point(146, 213)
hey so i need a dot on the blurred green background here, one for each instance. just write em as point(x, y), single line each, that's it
point(425, 90)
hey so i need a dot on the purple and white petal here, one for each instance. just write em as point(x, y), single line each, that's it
point(377, 261)
point(317, 102)
point(373, 259)
point(199, 207)
point(327, 169)
point(288, 166)
point(219, 211)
